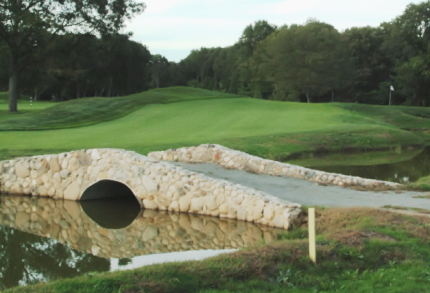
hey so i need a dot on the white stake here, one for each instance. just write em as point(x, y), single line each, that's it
point(312, 243)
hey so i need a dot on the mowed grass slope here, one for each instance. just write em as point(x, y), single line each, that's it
point(180, 116)
point(88, 111)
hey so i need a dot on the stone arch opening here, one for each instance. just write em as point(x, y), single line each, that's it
point(111, 204)
point(108, 189)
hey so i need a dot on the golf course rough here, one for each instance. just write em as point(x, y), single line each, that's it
point(156, 185)
point(233, 159)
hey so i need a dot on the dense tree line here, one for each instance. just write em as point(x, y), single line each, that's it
point(28, 28)
point(82, 65)
point(314, 62)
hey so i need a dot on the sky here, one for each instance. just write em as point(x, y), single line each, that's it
point(173, 28)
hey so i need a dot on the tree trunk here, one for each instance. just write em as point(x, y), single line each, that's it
point(36, 94)
point(78, 90)
point(157, 81)
point(109, 94)
point(308, 97)
point(216, 82)
point(13, 82)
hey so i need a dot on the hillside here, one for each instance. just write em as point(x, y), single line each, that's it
point(179, 116)
point(88, 111)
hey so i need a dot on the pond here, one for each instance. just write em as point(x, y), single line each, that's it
point(395, 165)
point(43, 239)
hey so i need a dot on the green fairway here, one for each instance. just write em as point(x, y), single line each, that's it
point(190, 123)
point(179, 116)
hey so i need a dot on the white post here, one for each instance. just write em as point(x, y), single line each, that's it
point(389, 101)
point(312, 243)
point(391, 90)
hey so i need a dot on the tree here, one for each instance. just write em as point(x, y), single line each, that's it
point(159, 65)
point(409, 35)
point(372, 63)
point(306, 58)
point(253, 34)
point(248, 42)
point(27, 25)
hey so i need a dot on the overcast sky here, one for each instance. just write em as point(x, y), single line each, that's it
point(175, 27)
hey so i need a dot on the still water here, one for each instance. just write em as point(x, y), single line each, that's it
point(44, 239)
point(397, 165)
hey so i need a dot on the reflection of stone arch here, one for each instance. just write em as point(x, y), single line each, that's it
point(111, 204)
point(150, 232)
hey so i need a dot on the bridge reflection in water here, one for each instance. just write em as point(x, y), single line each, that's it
point(68, 238)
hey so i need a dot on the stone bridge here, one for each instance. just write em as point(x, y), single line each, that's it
point(104, 173)
point(233, 159)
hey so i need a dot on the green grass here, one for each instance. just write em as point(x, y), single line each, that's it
point(89, 111)
point(358, 250)
point(180, 116)
point(356, 158)
point(24, 110)
point(176, 117)
point(422, 183)
point(404, 117)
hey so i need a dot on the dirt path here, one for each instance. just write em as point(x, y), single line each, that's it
point(309, 193)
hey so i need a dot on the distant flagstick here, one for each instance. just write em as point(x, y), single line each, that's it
point(391, 90)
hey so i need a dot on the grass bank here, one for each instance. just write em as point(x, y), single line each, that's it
point(355, 158)
point(180, 116)
point(359, 250)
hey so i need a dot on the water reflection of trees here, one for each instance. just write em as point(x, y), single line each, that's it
point(26, 258)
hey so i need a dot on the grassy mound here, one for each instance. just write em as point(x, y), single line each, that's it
point(88, 111)
point(358, 250)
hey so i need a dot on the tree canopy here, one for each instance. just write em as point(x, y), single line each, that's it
point(66, 49)
point(27, 26)
point(314, 62)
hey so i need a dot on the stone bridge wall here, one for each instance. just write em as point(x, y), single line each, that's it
point(233, 159)
point(151, 232)
point(156, 185)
